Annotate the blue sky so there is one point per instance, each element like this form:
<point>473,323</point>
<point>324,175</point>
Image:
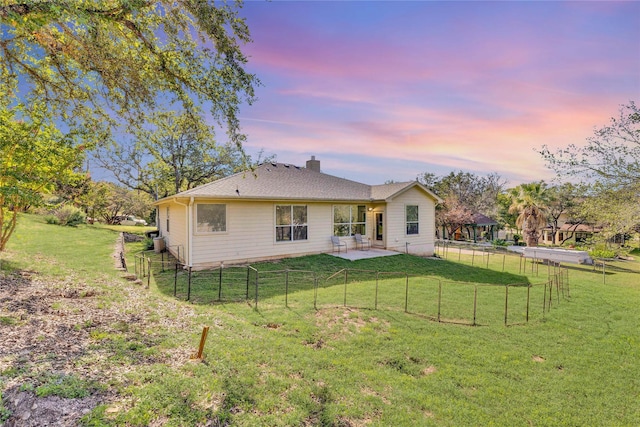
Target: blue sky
<point>389,90</point>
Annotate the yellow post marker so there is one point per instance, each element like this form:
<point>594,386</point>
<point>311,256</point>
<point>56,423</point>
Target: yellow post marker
<point>203,340</point>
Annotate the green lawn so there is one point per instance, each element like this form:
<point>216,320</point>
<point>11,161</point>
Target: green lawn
<point>353,365</point>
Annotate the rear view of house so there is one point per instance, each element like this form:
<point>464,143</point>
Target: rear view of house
<point>281,210</point>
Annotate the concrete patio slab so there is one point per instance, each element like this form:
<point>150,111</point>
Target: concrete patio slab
<point>354,254</point>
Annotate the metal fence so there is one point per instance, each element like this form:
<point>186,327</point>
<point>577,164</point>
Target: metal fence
<point>427,296</point>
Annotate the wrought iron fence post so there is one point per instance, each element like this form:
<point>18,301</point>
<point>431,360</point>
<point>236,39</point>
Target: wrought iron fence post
<point>528,299</point>
<point>376,300</point>
<point>256,307</point>
<point>189,285</point>
<point>475,303</point>
<point>148,272</point>
<point>315,291</point>
<point>473,255</point>
<point>506,303</point>
<point>220,283</point>
<point>346,279</point>
<point>175,280</point>
<point>406,294</point>
<point>248,275</point>
<point>286,288</point>
<point>525,266</point>
<point>439,297</point>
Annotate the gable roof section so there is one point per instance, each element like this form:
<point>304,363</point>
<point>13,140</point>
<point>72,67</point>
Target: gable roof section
<point>279,181</point>
<point>389,191</point>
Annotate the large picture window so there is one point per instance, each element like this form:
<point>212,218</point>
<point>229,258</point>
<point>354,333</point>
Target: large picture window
<point>349,220</point>
<point>211,218</point>
<point>412,219</point>
<point>291,223</point>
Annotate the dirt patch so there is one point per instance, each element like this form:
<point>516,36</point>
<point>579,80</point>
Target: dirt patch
<point>67,328</point>
<point>32,411</point>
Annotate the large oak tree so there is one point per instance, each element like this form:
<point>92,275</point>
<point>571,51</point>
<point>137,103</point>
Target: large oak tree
<point>96,68</point>
<point>99,63</point>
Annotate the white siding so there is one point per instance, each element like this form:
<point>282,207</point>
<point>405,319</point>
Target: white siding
<point>176,238</point>
<point>250,234</point>
<point>396,236</point>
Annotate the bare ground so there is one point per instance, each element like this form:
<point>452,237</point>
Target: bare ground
<point>55,330</point>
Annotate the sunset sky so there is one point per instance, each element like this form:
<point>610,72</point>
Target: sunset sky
<point>388,90</point>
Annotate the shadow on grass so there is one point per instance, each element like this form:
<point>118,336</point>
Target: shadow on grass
<point>9,266</point>
<point>284,278</point>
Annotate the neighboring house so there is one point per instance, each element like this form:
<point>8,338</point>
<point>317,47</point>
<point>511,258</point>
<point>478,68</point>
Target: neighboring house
<point>280,210</point>
<point>568,232</point>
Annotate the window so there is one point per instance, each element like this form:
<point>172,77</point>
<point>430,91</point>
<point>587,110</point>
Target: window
<point>291,223</point>
<point>167,219</point>
<point>349,220</point>
<point>211,218</point>
<point>412,219</point>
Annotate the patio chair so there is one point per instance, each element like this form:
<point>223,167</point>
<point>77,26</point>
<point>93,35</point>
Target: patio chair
<point>335,240</point>
<point>363,244</point>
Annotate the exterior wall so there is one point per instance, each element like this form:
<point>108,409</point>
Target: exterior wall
<point>396,232</point>
<point>250,234</point>
<point>176,238</point>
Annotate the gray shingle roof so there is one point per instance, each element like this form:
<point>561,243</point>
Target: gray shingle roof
<point>279,181</point>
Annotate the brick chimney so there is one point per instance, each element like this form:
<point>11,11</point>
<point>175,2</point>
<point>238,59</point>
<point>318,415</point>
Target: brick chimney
<point>313,164</point>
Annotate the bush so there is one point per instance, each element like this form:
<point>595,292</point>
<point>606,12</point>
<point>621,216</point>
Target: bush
<point>147,243</point>
<point>500,242</point>
<point>52,219</point>
<point>67,215</point>
<point>601,251</point>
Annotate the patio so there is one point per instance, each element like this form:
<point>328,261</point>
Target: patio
<point>354,254</point>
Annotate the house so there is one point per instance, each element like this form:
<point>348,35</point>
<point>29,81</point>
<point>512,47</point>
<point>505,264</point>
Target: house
<point>568,231</point>
<point>280,210</point>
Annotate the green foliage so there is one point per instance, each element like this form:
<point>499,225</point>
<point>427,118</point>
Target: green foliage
<point>33,154</point>
<point>66,386</point>
<point>68,215</point>
<point>530,201</point>
<point>464,195</point>
<point>610,162</point>
<point>101,65</point>
<point>7,321</point>
<point>147,243</point>
<point>174,153</point>
<point>4,411</point>
<point>500,242</point>
<point>51,219</point>
<point>602,253</point>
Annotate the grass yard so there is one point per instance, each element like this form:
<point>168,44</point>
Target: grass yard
<point>335,365</point>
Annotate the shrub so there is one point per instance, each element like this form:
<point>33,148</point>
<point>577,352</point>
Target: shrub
<point>601,251</point>
<point>500,242</point>
<point>52,219</point>
<point>147,243</point>
<point>70,215</point>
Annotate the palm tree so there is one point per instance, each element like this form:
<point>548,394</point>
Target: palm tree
<point>529,201</point>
